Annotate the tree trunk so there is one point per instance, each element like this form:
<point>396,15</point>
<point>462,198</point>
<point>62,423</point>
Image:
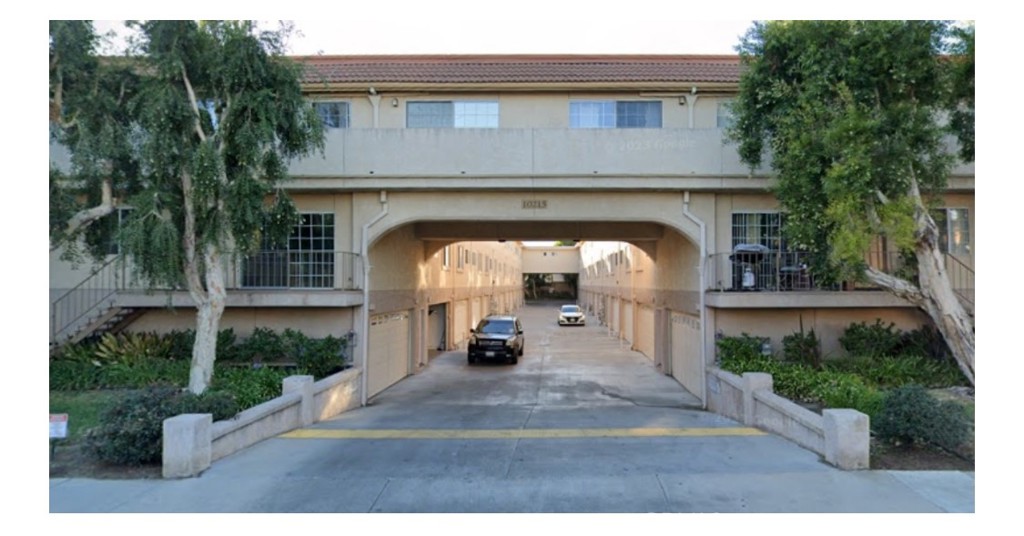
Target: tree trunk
<point>935,294</point>
<point>209,311</point>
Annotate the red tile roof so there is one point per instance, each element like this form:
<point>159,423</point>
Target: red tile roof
<point>521,69</point>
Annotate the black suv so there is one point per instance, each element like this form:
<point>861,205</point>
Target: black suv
<point>497,337</point>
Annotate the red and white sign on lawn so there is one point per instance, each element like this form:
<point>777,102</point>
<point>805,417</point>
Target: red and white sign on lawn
<point>58,425</point>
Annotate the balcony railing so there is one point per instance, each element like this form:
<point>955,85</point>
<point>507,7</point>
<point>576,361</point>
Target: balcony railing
<point>337,270</point>
<point>780,271</point>
<point>284,269</point>
<point>769,270</point>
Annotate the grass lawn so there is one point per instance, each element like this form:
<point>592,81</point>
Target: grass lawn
<point>83,408</point>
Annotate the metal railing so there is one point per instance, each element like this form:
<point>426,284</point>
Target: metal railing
<point>285,269</point>
<point>789,271</point>
<point>961,277</point>
<point>771,271</point>
<point>338,270</point>
<point>85,298</point>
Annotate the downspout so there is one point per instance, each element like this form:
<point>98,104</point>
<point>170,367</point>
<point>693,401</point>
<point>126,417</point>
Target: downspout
<point>703,287</point>
<point>365,251</point>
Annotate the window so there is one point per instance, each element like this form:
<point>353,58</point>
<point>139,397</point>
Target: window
<point>333,114</point>
<point>615,114</point>
<point>110,226</point>
<point>954,230</point>
<point>724,117</point>
<point>447,258</point>
<point>307,261</point>
<point>460,257</point>
<point>451,114</point>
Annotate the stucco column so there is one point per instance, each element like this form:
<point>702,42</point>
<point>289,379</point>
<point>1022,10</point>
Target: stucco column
<point>187,445</point>
<point>304,386</point>
<point>753,382</point>
<point>847,438</point>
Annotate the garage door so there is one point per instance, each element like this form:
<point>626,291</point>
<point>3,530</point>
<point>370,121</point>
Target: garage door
<point>476,311</point>
<point>627,320</point>
<point>686,365</point>
<point>645,332</point>
<point>388,352</point>
<point>460,325</point>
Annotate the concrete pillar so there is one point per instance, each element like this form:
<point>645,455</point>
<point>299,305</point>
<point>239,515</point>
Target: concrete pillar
<point>847,438</point>
<point>753,382</point>
<point>304,386</point>
<point>187,445</point>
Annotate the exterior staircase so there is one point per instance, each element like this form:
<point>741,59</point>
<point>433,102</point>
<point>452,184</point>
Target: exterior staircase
<point>90,308</point>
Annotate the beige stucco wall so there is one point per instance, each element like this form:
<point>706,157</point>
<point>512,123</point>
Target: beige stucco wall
<point>828,324</point>
<point>312,321</point>
<point>551,260</point>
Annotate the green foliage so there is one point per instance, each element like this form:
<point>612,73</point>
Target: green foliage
<point>250,386</point>
<point>861,339</point>
<point>322,357</point>
<point>895,371</point>
<point>130,348</point>
<point>744,347</point>
<point>844,390</point>
<point>263,345</point>
<point>131,431</point>
<point>802,347</point>
<point>851,113</point>
<point>192,130</point>
<point>911,415</point>
<point>181,343</point>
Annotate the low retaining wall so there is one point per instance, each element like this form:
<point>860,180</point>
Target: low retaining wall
<point>192,442</point>
<point>841,436</point>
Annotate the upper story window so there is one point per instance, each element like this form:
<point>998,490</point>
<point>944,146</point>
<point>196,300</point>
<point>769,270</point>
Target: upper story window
<point>334,114</point>
<point>615,114</point>
<point>954,230</point>
<point>451,114</point>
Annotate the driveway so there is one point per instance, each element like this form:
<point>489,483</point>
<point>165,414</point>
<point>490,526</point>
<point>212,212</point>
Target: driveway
<point>581,424</point>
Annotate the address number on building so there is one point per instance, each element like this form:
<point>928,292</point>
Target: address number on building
<point>535,203</point>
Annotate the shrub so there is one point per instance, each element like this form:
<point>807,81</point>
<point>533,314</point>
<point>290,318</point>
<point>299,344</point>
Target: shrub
<point>181,343</point>
<point>802,347</point>
<point>249,386</point>
<point>322,357</point>
<point>925,341</point>
<point>131,348</point>
<point>910,415</point>
<point>263,345</point>
<point>75,375</point>
<point>860,339</point>
<point>131,431</point>
<point>744,347</point>
<point>844,390</point>
<point>896,371</point>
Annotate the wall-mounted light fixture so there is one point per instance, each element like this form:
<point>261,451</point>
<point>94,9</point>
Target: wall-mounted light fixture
<point>394,102</point>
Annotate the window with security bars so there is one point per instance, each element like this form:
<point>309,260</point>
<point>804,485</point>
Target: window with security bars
<point>306,261</point>
<point>615,114</point>
<point>451,114</point>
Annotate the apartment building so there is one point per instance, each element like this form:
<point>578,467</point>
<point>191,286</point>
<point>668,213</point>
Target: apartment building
<point>437,167</point>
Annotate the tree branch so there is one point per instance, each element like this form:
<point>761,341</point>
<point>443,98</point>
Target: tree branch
<point>195,105</point>
<point>85,217</point>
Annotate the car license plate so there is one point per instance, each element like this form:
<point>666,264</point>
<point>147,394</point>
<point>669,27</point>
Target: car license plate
<point>489,354</point>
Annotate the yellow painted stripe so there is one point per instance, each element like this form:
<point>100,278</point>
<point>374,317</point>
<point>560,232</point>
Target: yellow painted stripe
<point>532,433</point>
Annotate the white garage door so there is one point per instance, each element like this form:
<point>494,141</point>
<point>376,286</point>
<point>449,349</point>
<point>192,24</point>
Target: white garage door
<point>686,365</point>
<point>388,352</point>
<point>645,331</point>
<point>460,328</point>
<point>627,320</point>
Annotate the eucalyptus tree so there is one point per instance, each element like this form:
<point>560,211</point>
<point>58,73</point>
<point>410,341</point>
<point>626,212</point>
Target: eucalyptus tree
<point>194,137</point>
<point>856,117</point>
